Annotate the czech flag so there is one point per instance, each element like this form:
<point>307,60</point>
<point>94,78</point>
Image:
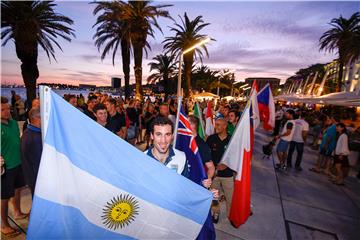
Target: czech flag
<point>266,107</point>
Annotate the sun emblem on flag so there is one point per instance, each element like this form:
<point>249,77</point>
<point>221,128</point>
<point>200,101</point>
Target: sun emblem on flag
<point>120,211</point>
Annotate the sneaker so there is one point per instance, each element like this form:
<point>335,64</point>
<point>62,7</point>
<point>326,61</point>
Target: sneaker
<point>215,218</point>
<point>298,168</point>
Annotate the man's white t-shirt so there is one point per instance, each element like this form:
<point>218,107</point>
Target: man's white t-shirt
<point>177,162</point>
<point>300,125</point>
<point>288,138</point>
<point>342,145</point>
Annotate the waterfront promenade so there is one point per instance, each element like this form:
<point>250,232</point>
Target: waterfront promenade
<point>286,205</point>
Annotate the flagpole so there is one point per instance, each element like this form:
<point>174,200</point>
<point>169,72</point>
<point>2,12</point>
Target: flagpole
<point>200,117</point>
<point>177,120</point>
<point>45,106</point>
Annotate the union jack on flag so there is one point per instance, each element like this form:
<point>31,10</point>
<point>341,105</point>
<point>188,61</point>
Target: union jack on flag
<point>185,142</point>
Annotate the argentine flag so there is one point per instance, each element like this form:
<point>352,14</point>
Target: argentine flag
<point>93,185</point>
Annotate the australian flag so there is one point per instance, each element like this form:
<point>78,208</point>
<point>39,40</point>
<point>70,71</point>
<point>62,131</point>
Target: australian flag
<point>186,143</point>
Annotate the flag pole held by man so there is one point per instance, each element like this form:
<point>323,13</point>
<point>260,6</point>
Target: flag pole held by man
<point>93,184</point>
<point>238,158</point>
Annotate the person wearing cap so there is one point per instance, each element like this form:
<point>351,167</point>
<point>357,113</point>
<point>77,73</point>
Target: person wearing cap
<point>224,177</point>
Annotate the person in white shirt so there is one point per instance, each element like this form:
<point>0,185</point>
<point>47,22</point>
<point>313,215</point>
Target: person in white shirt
<point>285,138</point>
<point>301,129</point>
<point>341,154</point>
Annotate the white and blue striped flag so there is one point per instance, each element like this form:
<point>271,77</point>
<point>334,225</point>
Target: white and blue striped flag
<point>93,185</point>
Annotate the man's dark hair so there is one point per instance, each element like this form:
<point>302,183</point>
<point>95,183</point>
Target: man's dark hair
<point>161,121</point>
<point>194,120</point>
<point>227,106</point>
<point>235,112</point>
<point>99,106</point>
<point>342,125</point>
<point>111,101</point>
<point>92,97</point>
<point>291,112</point>
<point>336,118</point>
<point>4,100</point>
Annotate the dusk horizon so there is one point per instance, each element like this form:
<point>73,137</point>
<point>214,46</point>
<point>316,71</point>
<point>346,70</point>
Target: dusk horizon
<point>254,39</point>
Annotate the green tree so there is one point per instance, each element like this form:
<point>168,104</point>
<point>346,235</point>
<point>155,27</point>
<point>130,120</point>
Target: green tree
<point>111,32</point>
<point>164,67</point>
<point>341,37</point>
<point>142,19</point>
<point>186,35</point>
<point>30,24</point>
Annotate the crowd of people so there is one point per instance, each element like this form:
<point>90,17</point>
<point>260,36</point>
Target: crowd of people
<point>330,135</point>
<point>149,125</point>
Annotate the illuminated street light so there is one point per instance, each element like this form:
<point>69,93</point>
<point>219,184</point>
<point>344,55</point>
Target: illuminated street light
<point>202,42</point>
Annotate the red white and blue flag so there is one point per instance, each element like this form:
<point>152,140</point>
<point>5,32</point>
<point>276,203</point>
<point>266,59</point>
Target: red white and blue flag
<point>266,107</point>
<point>185,142</point>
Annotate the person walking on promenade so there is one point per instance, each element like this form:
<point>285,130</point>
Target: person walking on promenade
<point>31,148</point>
<point>327,146</point>
<point>204,150</point>
<point>285,138</point>
<point>12,180</point>
<point>224,178</point>
<point>162,130</point>
<point>233,120</point>
<point>92,101</point>
<point>341,154</point>
<point>301,129</point>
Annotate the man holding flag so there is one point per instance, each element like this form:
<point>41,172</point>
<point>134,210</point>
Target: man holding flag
<point>224,177</point>
<point>238,158</point>
<point>186,142</point>
<point>92,184</point>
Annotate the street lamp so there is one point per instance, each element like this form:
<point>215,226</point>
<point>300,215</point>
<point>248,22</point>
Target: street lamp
<point>202,42</point>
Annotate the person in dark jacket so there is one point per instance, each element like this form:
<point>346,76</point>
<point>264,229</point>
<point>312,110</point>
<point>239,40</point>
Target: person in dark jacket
<point>31,148</point>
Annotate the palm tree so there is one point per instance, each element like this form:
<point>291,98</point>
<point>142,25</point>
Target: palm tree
<point>186,35</point>
<point>342,37</point>
<point>165,68</point>
<point>112,31</point>
<point>30,24</point>
<point>142,18</point>
<point>204,78</point>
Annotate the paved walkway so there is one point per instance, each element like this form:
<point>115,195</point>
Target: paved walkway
<point>286,205</point>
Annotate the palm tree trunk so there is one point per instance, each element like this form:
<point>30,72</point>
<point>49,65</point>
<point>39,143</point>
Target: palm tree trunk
<point>30,73</point>
<point>125,52</point>
<point>138,53</point>
<point>341,70</point>
<point>188,61</point>
<point>166,86</point>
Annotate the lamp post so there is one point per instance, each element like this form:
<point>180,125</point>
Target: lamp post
<point>202,42</point>
<point>179,95</point>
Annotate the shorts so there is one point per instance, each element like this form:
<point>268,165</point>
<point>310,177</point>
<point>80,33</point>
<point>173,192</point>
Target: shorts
<point>282,146</point>
<point>12,179</point>
<point>325,152</point>
<point>344,161</point>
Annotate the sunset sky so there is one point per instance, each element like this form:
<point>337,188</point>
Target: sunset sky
<point>255,39</point>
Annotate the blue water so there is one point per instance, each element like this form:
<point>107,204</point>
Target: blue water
<point>21,91</point>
